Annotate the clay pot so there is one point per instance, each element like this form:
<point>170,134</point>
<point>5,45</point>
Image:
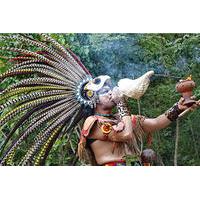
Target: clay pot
<point>148,156</point>
<point>185,87</point>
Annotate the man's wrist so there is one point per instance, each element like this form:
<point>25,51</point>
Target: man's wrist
<point>173,113</point>
<point>123,108</point>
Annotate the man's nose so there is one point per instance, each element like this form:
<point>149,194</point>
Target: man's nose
<point>110,92</point>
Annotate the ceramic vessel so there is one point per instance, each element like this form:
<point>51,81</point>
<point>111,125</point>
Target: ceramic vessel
<point>185,87</point>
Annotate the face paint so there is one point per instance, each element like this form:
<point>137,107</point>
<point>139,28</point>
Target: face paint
<point>99,86</point>
<point>107,87</point>
<point>97,83</point>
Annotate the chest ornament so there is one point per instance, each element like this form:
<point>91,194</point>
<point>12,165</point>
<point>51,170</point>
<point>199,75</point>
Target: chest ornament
<point>106,128</point>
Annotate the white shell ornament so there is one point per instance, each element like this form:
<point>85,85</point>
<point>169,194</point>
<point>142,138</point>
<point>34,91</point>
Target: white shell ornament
<point>135,88</point>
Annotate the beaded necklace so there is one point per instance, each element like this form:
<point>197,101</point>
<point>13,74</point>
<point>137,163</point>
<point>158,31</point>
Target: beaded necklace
<point>104,115</point>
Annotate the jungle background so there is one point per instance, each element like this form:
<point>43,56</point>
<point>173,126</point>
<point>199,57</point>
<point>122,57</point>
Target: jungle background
<point>171,56</point>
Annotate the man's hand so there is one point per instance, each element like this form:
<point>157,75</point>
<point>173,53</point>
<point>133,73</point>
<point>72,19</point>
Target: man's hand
<point>183,107</point>
<point>186,109</point>
<point>119,127</point>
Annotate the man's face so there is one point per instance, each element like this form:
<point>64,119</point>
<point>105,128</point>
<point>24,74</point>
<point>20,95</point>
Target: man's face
<point>102,86</point>
<point>105,96</point>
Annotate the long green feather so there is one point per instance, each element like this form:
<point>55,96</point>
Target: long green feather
<point>23,120</point>
<point>40,141</point>
<point>37,81</point>
<point>31,96</point>
<point>21,90</point>
<point>40,158</point>
<point>34,127</point>
<point>32,70</point>
<point>28,105</point>
<point>41,66</point>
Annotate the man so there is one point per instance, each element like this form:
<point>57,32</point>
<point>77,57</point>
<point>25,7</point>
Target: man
<point>109,138</point>
<point>59,93</point>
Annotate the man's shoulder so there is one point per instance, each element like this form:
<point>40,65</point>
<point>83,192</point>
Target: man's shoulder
<point>90,119</point>
<point>137,119</point>
<point>88,124</point>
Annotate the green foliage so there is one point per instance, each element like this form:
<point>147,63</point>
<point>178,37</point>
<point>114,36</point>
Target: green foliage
<point>168,50</point>
<point>172,56</point>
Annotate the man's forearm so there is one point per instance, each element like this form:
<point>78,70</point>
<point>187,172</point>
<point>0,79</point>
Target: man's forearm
<point>125,117</point>
<point>162,121</point>
<point>151,125</point>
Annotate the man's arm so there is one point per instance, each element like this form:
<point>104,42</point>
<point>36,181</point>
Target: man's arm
<point>124,135</point>
<point>115,136</point>
<point>151,125</point>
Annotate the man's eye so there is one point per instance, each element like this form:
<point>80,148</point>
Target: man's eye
<point>104,91</point>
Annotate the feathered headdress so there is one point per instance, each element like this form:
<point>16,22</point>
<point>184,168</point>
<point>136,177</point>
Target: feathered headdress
<point>48,104</point>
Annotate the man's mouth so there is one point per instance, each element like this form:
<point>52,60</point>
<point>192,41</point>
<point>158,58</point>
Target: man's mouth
<point>111,99</point>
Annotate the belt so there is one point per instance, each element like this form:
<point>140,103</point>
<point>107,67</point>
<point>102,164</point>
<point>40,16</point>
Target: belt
<point>116,163</point>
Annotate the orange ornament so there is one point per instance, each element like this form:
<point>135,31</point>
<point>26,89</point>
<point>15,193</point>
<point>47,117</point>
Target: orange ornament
<point>106,128</point>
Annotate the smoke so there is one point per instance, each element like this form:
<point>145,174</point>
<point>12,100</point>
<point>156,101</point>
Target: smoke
<point>121,56</point>
<point>117,55</point>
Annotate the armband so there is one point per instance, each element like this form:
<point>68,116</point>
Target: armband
<point>173,113</point>
<point>123,109</point>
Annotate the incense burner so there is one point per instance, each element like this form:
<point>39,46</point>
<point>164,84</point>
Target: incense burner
<point>185,87</point>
